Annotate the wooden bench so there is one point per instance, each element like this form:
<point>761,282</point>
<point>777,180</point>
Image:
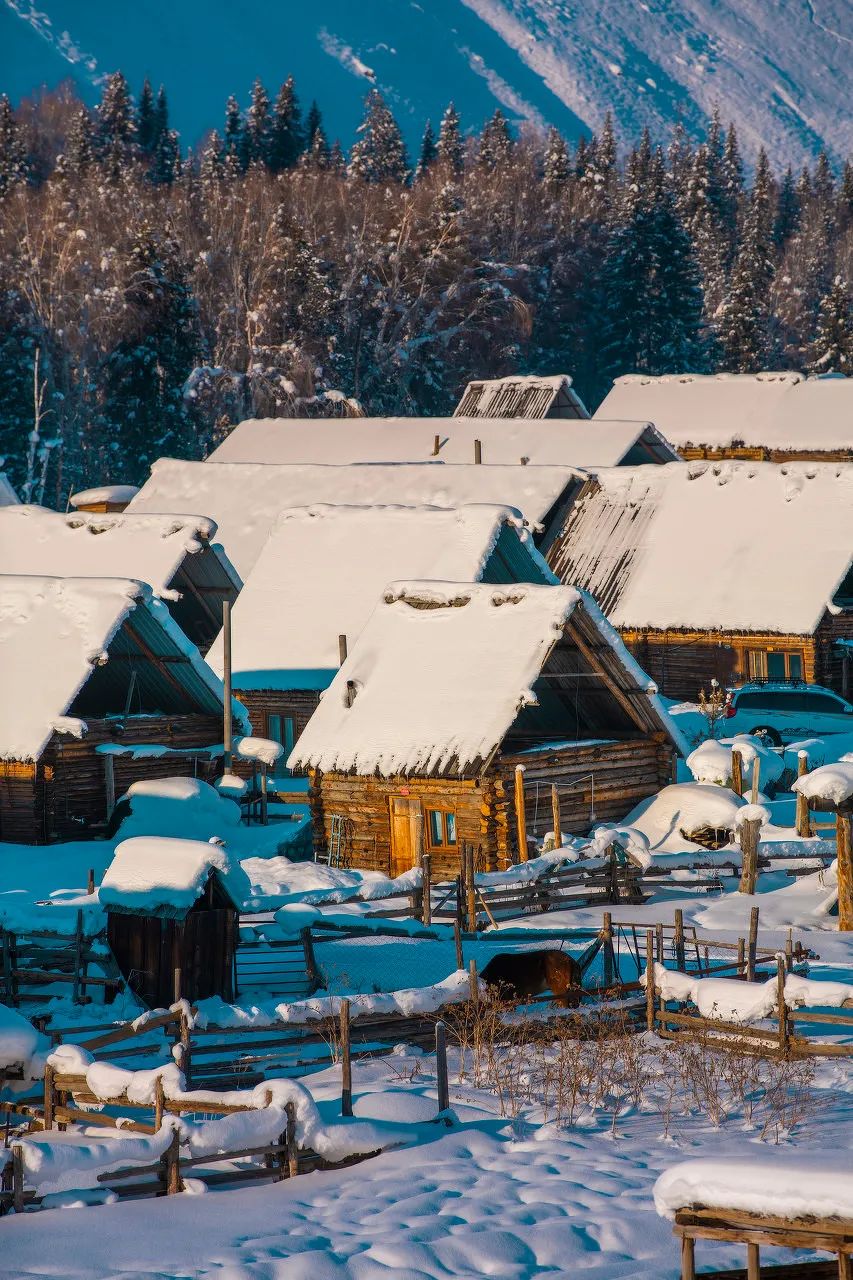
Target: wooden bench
<point>830,1235</point>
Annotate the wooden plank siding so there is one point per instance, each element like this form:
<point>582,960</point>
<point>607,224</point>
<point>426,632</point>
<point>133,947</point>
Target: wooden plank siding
<point>299,704</point>
<point>682,662</point>
<point>758,453</point>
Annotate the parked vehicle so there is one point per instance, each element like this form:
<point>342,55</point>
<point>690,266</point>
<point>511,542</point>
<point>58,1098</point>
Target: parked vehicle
<point>786,712</point>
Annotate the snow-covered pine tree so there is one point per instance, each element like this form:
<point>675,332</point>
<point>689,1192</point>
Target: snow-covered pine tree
<point>235,145</point>
<point>379,155</point>
<point>258,126</point>
<point>287,136</point>
<point>146,127</point>
<point>166,159</point>
<point>116,131</point>
<point>845,196</point>
<point>450,148</point>
<point>211,164</point>
<point>787,217</point>
<point>429,151</point>
<point>731,177</point>
<point>556,169</point>
<point>495,142</point>
<point>832,349</point>
<point>13,162</point>
<point>745,316</point>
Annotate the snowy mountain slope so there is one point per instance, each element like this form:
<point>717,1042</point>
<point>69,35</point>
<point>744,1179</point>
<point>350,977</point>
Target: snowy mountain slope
<point>779,68</point>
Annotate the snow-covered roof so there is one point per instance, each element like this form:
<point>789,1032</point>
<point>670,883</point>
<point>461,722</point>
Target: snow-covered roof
<point>507,441</point>
<point>323,568</point>
<point>439,675</point>
<point>105,493</point>
<point>53,632</point>
<point>160,875</point>
<point>521,396</point>
<point>245,499</point>
<point>8,497</point>
<point>151,548</point>
<point>783,411</point>
<point>749,546</point>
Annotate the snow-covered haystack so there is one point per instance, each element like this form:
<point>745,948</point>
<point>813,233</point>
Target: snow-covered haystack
<point>712,761</point>
<point>831,784</point>
<point>682,815</point>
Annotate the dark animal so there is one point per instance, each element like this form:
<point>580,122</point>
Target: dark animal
<point>519,974</point>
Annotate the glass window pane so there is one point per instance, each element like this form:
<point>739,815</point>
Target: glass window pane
<point>775,666</point>
<point>450,819</point>
<point>274,728</point>
<point>795,666</point>
<point>436,830</point>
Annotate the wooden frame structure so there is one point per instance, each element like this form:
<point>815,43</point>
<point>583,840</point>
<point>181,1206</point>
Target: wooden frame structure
<point>702,1222</point>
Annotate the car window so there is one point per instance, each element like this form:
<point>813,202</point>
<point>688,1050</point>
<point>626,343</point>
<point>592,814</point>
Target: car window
<point>796,702</point>
<point>746,700</point>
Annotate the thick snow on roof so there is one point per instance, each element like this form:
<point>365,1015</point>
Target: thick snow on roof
<point>52,632</point>
<point>8,497</point>
<point>780,1184</point>
<point>322,570</point>
<point>774,410</point>
<point>245,499</point>
<point>440,672</point>
<point>151,873</point>
<point>571,442</point>
<point>529,395</point>
<point>35,540</point>
<point>115,493</point>
<point>727,545</point>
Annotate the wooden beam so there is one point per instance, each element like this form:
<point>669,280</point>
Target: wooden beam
<point>619,694</point>
<point>156,661</point>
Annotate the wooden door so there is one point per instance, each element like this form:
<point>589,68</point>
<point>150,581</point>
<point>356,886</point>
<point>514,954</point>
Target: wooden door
<point>405,812</point>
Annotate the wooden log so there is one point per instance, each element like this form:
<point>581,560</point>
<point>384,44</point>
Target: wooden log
<point>781,1007</point>
<point>346,1060</point>
<point>650,981</point>
<point>753,1262</point>
<point>90,881</point>
<point>426,902</point>
<point>79,989</point>
<point>159,1102</point>
<point>555,816</point>
<point>457,938</point>
<point>752,945</point>
<point>844,853</point>
<point>172,1165</point>
<point>659,942</point>
<point>756,777</point>
<point>680,955</point>
<point>520,816</point>
<point>49,1096</point>
<point>471,890</point>
<point>749,833</point>
<point>737,771</point>
<point>18,1178</point>
<point>290,1140</point>
<point>802,801</point>
<point>789,952</point>
<point>473,982</point>
<point>607,940</point>
<point>688,1258</point>
<point>441,1066</point>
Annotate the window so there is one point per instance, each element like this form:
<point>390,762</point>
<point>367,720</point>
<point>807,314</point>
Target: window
<point>440,829</point>
<point>282,729</point>
<point>774,664</point>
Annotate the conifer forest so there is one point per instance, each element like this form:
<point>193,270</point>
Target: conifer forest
<point>151,297</point>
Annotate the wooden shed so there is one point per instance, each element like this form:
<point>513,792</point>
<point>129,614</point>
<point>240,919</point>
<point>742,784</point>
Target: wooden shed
<point>172,918</point>
<point>449,687</point>
<point>88,662</point>
<point>106,498</point>
<point>733,570</point>
<point>521,396</point>
<point>177,556</point>
<point>318,579</point>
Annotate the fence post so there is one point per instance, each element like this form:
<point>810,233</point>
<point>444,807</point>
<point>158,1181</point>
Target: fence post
<point>741,956</point>
<point>457,938</point>
<point>426,890</point>
<point>680,956</point>
<point>310,959</point>
<point>473,981</point>
<point>803,822</point>
<point>789,952</point>
<point>752,945</point>
<point>471,891</point>
<point>171,1158</point>
<point>756,778</point>
<point>186,1047</point>
<point>781,1007</point>
<point>555,816</point>
<point>749,833</point>
<point>650,980</point>
<point>441,1066</point>
<point>607,940</point>
<point>659,942</point>
<point>49,1096</point>
<point>290,1140</point>
<point>346,1061</point>
<point>18,1178</point>
<point>844,853</point>
<point>90,882</point>
<point>77,989</point>
<point>520,815</point>
<point>159,1102</point>
<point>737,771</point>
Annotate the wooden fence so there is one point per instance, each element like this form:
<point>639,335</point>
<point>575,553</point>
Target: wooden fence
<point>36,958</point>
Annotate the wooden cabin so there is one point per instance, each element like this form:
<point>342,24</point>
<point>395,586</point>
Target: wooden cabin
<point>318,579</point>
<point>106,498</point>
<point>759,417</point>
<point>175,555</point>
<point>172,919</point>
<point>579,442</point>
<point>737,571</point>
<point>246,499</point>
<point>521,396</point>
<point>448,688</point>
<point>87,663</point>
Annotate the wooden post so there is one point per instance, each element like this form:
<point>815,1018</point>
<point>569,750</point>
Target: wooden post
<point>688,1258</point>
<point>737,771</point>
<point>741,956</point>
<point>457,938</point>
<point>607,939</point>
<point>18,1178</point>
<point>159,1102</point>
<point>426,903</point>
<point>781,1007</point>
<point>650,980</point>
<point>227,725</point>
<point>436,445</point>
<point>844,853</point>
<point>753,1260</point>
<point>749,833</point>
<point>659,942</point>
<point>78,989</point>
<point>174,1183</point>
<point>555,816</point>
<point>186,1046</point>
<point>789,952</point>
<point>680,956</point>
<point>264,799</point>
<point>473,982</point>
<point>756,778</point>
<point>346,1061</point>
<point>845,1262</point>
<point>752,945</point>
<point>471,891</point>
<point>441,1066</point>
<point>49,1096</point>
<point>109,785</point>
<point>802,801</point>
<point>520,815</point>
<point>311,967</point>
<point>290,1140</point>
<point>478,451</point>
<point>177,984</point>
<point>342,649</point>
<point>90,881</point>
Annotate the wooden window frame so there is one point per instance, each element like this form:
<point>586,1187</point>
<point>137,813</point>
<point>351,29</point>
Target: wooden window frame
<point>445,814</point>
<point>787,654</point>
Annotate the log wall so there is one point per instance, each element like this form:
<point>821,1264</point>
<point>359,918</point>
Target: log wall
<point>683,662</point>
<point>758,454</point>
<point>830,658</point>
<point>300,704</point>
<point>63,796</point>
